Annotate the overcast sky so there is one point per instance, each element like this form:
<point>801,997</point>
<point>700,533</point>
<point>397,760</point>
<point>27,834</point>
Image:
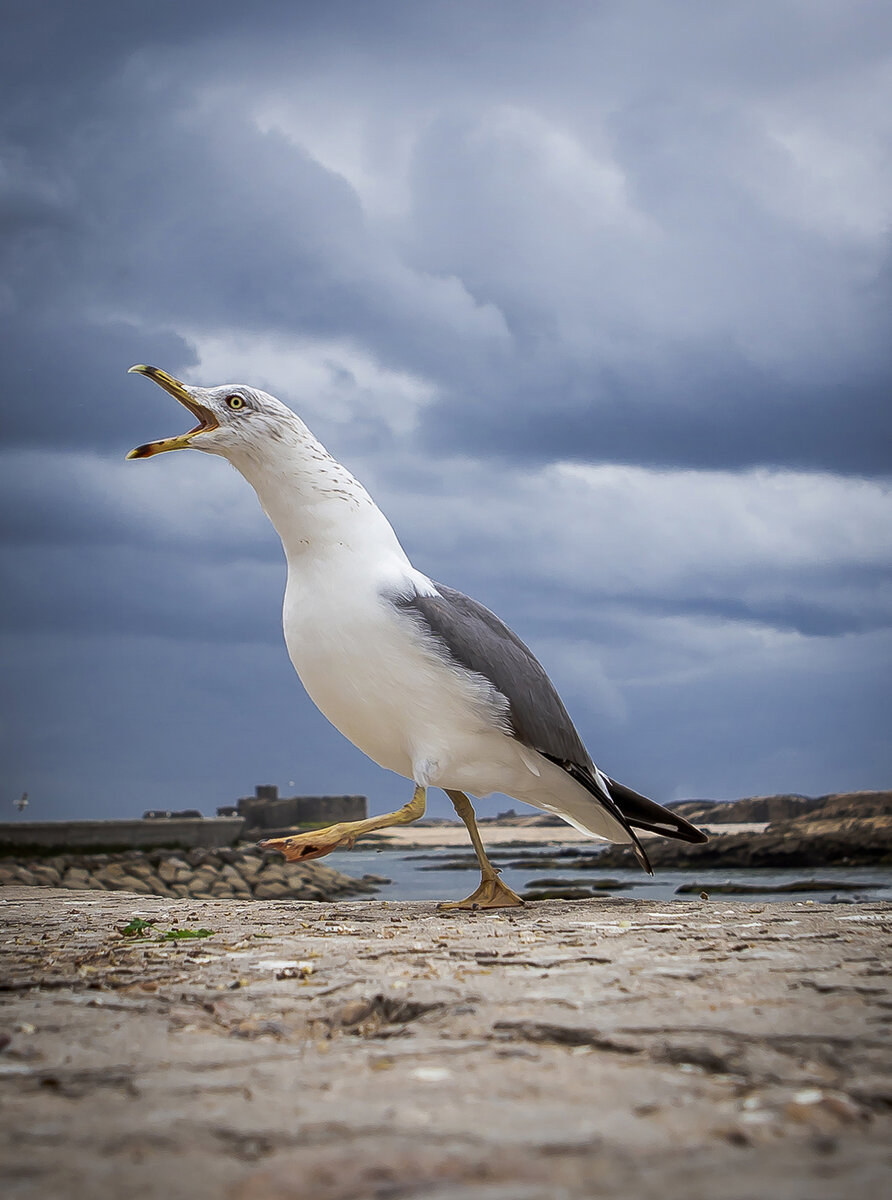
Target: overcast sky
<point>594,298</point>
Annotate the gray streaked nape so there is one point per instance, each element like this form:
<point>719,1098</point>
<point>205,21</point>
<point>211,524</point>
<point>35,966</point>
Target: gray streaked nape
<point>475,638</point>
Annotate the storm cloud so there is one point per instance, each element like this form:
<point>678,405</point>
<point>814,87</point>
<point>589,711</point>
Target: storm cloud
<point>593,297</point>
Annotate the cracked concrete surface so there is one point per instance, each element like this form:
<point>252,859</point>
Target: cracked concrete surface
<point>353,1050</point>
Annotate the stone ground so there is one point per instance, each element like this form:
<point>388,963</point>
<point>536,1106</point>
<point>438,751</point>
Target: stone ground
<point>365,1049</point>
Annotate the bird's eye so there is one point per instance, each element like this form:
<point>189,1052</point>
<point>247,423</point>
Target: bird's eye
<point>235,402</point>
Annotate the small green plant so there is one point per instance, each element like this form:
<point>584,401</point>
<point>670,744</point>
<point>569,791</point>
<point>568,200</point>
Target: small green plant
<point>174,935</point>
<point>138,928</point>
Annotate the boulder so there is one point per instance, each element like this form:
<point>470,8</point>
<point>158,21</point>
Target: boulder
<point>45,876</point>
<point>75,877</point>
<point>141,868</point>
<point>249,867</point>
<point>230,878</point>
<point>112,874</point>
<point>132,883</point>
<point>309,892</point>
<point>158,886</point>
<point>174,870</point>
<point>273,870</point>
<point>199,887</point>
<point>272,889</point>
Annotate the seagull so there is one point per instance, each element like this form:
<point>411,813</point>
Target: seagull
<point>423,679</point>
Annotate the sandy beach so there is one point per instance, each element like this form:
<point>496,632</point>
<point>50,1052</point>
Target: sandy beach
<point>497,834</point>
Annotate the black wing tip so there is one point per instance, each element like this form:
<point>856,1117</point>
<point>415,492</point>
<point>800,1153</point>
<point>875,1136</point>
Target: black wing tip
<point>677,833</point>
<point>644,813</point>
<point>684,831</point>
<point>641,855</point>
<point>591,782</point>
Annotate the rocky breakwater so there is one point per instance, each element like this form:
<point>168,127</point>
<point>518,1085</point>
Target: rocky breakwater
<point>847,829</point>
<point>246,873</point>
<point>753,810</point>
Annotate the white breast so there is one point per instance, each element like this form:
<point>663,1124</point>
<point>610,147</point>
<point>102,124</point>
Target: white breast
<point>380,681</point>
<point>369,670</point>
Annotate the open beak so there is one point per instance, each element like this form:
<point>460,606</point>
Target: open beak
<point>206,419</point>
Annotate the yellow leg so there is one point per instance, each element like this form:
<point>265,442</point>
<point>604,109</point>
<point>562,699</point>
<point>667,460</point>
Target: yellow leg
<point>304,846</point>
<point>491,893</point>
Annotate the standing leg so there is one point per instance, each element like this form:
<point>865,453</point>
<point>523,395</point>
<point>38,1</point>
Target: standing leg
<point>304,846</point>
<point>491,893</point>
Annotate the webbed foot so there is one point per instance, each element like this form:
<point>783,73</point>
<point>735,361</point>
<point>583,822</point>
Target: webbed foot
<point>491,893</point>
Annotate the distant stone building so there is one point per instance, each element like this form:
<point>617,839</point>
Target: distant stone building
<point>266,810</point>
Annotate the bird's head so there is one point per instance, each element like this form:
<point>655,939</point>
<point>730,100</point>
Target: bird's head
<point>302,489</point>
<point>233,420</point>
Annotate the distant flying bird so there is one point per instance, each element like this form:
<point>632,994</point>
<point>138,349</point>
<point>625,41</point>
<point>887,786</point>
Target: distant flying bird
<point>424,680</point>
<point>22,802</point>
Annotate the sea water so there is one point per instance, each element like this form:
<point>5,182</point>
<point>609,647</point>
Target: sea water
<point>416,875</point>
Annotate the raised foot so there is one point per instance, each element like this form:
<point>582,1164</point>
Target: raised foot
<point>301,847</point>
<point>492,893</point>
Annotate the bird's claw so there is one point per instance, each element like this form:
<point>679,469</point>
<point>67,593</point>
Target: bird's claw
<point>301,847</point>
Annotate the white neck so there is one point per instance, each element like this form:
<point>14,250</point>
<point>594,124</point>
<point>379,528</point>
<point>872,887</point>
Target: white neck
<point>312,500</point>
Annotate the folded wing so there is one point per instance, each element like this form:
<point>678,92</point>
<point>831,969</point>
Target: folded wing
<point>474,638</point>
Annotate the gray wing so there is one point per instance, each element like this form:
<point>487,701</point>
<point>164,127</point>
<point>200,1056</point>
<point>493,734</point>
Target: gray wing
<point>476,639</point>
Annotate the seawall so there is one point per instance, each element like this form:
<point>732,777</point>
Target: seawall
<point>182,833</point>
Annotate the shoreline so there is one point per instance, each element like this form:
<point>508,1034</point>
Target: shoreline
<point>499,834</point>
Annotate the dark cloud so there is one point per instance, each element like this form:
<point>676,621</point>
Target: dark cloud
<point>665,315</point>
<point>633,296</point>
<point>703,406</point>
<point>66,380</point>
<point>122,591</point>
<point>468,242</point>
